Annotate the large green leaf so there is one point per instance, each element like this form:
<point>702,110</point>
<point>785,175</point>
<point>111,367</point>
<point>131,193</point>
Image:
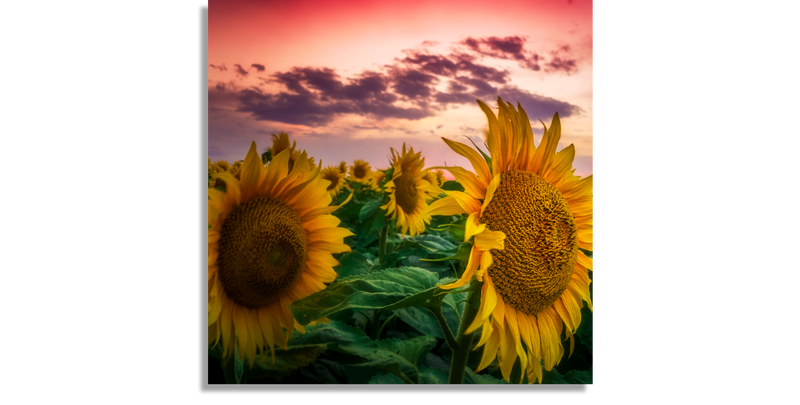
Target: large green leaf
<point>400,357</point>
<point>372,217</point>
<point>387,289</point>
<point>285,362</point>
<point>352,263</point>
<point>431,243</point>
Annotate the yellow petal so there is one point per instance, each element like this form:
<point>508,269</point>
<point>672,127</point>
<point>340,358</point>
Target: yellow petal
<point>478,163</point>
<point>472,266</point>
<point>489,239</point>
<point>252,173</point>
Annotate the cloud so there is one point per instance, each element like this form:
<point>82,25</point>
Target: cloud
<point>439,126</point>
<point>258,67</point>
<point>538,107</point>
<point>513,48</point>
<point>221,67</point>
<point>562,60</point>
<point>240,71</point>
<point>452,65</point>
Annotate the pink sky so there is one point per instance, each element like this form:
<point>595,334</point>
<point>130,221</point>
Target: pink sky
<point>348,80</point>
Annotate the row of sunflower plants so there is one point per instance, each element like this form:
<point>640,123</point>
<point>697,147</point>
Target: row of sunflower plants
<point>349,275</point>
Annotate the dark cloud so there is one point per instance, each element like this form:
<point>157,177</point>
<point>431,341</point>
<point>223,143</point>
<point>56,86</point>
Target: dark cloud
<point>454,64</point>
<point>221,67</point>
<point>258,67</point>
<point>413,84</point>
<point>562,60</point>
<point>513,48</point>
<point>240,71</point>
<point>439,126</point>
<point>220,86</point>
<point>538,107</point>
<point>503,48</point>
<point>317,96</point>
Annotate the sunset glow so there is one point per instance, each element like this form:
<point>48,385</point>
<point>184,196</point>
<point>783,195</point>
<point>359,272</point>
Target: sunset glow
<point>349,80</point>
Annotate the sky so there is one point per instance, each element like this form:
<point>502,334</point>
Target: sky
<point>350,80</point>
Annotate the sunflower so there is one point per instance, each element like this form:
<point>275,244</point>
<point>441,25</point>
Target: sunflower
<point>332,174</point>
<point>376,178</point>
<point>279,143</point>
<point>223,164</point>
<point>530,216</point>
<point>343,167</point>
<point>270,242</point>
<point>360,172</point>
<point>236,169</point>
<point>409,192</point>
<point>435,177</point>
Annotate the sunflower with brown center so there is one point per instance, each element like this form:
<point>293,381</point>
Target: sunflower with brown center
<point>360,172</point>
<point>376,178</point>
<point>271,241</point>
<point>332,174</point>
<point>530,217</point>
<point>409,192</point>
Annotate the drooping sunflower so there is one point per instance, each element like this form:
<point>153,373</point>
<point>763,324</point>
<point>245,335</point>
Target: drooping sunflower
<point>530,216</point>
<point>409,192</point>
<point>270,242</point>
<point>332,174</point>
<point>360,172</point>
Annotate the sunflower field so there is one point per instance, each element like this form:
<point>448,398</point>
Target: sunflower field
<point>350,274</point>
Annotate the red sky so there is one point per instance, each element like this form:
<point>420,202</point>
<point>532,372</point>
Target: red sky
<point>348,80</point>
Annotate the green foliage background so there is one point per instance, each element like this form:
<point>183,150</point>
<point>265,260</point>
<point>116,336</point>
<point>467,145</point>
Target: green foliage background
<point>383,328</point>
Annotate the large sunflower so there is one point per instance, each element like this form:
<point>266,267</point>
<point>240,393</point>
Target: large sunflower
<point>530,216</point>
<point>409,192</point>
<point>270,242</point>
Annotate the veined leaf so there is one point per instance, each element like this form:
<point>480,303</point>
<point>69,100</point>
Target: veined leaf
<point>387,289</point>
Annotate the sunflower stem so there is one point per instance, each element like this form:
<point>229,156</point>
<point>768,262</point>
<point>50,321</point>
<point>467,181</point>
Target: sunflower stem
<point>448,334</point>
<point>376,320</point>
<point>382,244</point>
<point>458,364</point>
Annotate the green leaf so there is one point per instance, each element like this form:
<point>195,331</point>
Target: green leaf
<point>420,319</point>
<point>352,263</point>
<point>462,254</point>
<point>285,362</point>
<point>386,378</point>
<point>471,378</point>
<point>387,289</point>
<point>432,376</point>
<point>431,243</point>
<point>578,377</point>
<point>452,185</point>
<point>339,336</point>
<point>372,217</point>
<point>400,357</point>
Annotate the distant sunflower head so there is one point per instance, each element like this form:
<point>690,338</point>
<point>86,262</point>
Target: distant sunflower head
<point>435,177</point>
<point>236,169</point>
<point>332,174</point>
<point>223,164</point>
<point>376,179</point>
<point>408,192</point>
<point>343,167</point>
<point>271,241</point>
<point>360,172</point>
<point>280,142</point>
<point>531,219</point>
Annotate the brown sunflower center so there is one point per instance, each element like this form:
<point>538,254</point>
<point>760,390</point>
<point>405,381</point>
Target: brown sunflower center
<point>541,245</point>
<point>262,251</point>
<point>406,191</point>
<point>359,172</point>
<point>334,179</point>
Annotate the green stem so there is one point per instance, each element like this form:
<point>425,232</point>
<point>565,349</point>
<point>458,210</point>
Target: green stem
<point>458,364</point>
<point>382,244</point>
<point>385,323</point>
<point>448,335</point>
<point>376,318</point>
